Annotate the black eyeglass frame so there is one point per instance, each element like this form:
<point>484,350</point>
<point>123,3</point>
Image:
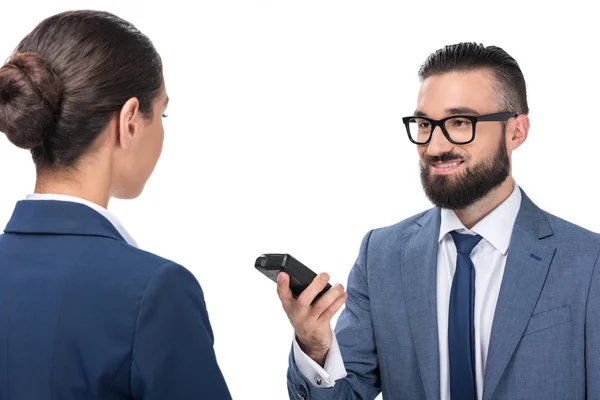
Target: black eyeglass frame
<point>500,116</point>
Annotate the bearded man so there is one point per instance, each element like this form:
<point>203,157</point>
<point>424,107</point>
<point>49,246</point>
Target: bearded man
<point>484,296</point>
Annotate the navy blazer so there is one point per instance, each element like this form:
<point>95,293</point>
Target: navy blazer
<point>84,315</point>
<point>545,340</point>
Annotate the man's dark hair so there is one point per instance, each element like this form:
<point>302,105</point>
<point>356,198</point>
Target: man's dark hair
<point>465,57</point>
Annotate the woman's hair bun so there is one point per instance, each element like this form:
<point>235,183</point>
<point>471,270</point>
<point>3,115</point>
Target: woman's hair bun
<point>29,99</point>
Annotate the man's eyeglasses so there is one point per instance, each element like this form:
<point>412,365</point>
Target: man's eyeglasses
<point>458,129</point>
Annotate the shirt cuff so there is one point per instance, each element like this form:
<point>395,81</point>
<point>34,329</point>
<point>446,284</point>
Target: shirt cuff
<point>318,376</point>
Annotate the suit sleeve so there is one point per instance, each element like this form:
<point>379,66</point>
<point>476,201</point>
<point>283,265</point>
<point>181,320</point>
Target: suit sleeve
<point>354,333</point>
<point>173,356</point>
<point>592,336</point>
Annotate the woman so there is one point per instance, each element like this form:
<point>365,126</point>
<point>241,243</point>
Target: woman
<point>84,314</point>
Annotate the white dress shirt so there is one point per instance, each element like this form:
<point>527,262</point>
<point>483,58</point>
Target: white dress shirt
<point>489,259</point>
<point>101,210</point>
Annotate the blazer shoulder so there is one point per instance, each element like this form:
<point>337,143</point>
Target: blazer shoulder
<point>134,262</point>
<point>568,231</point>
<point>398,229</point>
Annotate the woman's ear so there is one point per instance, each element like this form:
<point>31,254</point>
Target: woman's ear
<point>128,122</point>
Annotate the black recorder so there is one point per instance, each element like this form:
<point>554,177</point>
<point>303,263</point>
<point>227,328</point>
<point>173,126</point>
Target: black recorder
<point>300,275</point>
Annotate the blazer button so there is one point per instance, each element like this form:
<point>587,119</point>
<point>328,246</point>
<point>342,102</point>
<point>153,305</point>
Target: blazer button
<point>302,392</point>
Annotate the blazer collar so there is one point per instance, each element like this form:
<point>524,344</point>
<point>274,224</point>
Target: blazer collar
<point>59,218</point>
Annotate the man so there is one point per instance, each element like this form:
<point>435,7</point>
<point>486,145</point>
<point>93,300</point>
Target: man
<point>485,296</point>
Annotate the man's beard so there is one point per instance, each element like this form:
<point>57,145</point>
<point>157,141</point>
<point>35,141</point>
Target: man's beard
<point>473,184</point>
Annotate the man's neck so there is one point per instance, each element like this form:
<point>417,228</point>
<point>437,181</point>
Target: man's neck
<point>471,215</point>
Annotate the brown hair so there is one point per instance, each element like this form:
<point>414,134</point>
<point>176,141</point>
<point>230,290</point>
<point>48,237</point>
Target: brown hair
<point>67,78</point>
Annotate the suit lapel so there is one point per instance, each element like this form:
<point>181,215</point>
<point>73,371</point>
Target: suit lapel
<point>526,268</point>
<point>419,277</point>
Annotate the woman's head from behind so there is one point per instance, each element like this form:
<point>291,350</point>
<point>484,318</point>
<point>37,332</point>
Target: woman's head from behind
<point>84,91</point>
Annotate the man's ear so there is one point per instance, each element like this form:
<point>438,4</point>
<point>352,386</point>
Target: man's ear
<point>128,122</point>
<point>517,131</point>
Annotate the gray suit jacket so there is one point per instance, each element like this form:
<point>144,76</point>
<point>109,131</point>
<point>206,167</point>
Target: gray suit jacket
<point>545,341</point>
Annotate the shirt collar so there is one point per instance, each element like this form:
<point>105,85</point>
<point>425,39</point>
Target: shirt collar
<point>101,210</point>
<point>496,227</point>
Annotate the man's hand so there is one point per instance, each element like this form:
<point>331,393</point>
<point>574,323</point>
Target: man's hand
<point>312,323</point>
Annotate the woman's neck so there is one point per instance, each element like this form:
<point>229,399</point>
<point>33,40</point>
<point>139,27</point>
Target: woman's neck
<point>86,184</point>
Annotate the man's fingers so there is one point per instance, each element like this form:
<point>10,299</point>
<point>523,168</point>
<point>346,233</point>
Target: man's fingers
<point>327,299</point>
<point>334,308</point>
<point>284,292</point>
<point>308,295</point>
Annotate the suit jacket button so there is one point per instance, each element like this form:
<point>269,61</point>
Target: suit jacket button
<point>302,392</point>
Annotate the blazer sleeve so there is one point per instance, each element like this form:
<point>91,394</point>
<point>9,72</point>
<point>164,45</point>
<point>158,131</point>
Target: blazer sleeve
<point>355,336</point>
<point>173,356</point>
<point>592,336</point>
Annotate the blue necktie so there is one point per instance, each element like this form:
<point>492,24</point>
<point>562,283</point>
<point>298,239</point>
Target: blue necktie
<point>461,337</point>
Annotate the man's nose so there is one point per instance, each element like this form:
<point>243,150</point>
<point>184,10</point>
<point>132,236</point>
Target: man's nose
<point>439,144</point>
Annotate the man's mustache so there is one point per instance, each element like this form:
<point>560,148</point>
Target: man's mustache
<point>442,158</point>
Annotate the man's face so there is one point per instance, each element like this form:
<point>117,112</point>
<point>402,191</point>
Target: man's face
<point>456,176</point>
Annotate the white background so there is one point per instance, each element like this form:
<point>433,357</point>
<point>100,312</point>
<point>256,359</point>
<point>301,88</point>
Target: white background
<point>284,135</point>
